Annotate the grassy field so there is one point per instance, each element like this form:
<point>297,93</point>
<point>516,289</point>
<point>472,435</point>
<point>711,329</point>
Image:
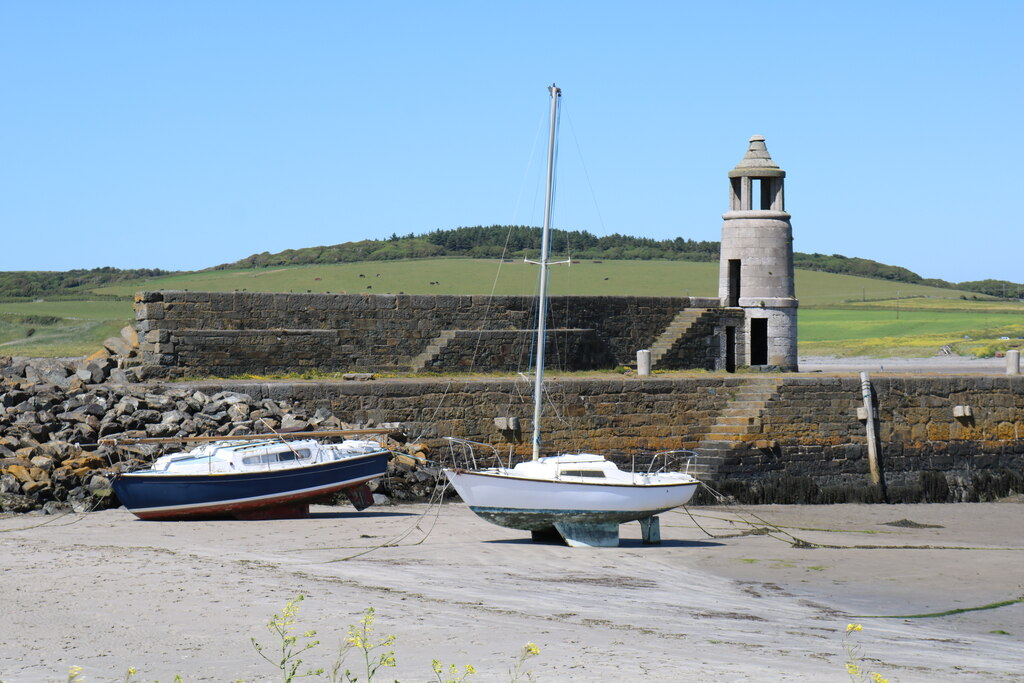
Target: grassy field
<point>881,331</point>
<point>473,276</point>
<point>43,336</point>
<point>840,314</point>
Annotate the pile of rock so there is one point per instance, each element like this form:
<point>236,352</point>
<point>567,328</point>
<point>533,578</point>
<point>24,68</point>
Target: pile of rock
<point>412,477</point>
<point>51,460</point>
<point>118,361</point>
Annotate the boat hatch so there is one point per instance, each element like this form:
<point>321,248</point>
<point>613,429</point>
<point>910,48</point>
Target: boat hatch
<point>281,456</point>
<point>583,473</point>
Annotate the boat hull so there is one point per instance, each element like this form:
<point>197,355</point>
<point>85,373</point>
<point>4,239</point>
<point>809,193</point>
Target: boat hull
<point>535,505</point>
<point>245,495</point>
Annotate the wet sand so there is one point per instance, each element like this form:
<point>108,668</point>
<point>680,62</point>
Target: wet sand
<point>105,591</point>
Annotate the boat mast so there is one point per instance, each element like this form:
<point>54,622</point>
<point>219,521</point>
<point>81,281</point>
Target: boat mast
<point>542,303</point>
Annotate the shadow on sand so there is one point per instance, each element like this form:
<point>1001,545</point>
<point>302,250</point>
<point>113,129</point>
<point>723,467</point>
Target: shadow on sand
<point>623,543</point>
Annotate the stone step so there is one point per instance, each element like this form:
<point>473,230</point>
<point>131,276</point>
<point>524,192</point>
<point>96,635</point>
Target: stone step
<point>434,347</point>
<point>731,429</point>
<point>744,404</point>
<point>672,333</point>
<point>744,419</point>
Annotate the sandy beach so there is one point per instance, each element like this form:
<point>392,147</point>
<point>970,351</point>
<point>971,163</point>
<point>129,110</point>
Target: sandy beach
<point>106,592</point>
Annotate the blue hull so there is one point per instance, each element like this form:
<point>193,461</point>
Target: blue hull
<point>245,494</point>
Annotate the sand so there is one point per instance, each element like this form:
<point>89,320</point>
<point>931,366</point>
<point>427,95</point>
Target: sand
<point>105,591</point>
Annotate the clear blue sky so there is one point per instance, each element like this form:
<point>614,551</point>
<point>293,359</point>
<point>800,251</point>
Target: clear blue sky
<point>181,135</point>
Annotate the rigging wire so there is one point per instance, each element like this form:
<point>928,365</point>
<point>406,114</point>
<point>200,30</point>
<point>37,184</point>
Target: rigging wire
<point>586,174</point>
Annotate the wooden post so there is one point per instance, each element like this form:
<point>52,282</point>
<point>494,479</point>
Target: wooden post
<point>865,388</point>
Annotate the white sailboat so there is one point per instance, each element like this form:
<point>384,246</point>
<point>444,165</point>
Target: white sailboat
<point>583,497</point>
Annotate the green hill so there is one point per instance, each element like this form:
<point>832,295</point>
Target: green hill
<point>496,241</point>
<point>896,311</point>
<point>483,276</point>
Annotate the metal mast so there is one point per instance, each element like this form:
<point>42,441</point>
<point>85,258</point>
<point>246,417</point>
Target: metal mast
<point>542,303</point>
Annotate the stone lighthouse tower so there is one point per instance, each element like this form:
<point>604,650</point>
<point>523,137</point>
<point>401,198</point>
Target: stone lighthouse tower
<point>757,265</point>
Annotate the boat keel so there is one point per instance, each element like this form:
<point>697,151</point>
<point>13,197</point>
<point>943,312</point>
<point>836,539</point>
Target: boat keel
<point>360,496</point>
<point>589,534</point>
<point>282,511</point>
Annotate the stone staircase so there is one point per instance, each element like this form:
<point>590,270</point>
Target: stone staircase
<point>738,424</point>
<point>419,363</point>
<point>674,333</point>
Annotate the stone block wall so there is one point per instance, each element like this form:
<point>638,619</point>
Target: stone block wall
<point>234,333</point>
<point>810,448</point>
<point>513,351</point>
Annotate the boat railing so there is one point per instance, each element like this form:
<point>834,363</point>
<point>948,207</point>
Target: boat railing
<point>463,454</point>
<point>678,460</point>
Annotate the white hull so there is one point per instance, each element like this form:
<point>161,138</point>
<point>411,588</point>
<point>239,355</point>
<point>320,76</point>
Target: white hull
<point>491,490</point>
<point>539,496</point>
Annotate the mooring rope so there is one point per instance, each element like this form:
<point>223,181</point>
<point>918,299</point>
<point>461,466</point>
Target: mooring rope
<point>396,540</point>
<point>764,528</point>
<point>54,518</point>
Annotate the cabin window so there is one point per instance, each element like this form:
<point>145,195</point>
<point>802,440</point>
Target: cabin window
<point>597,474</point>
<point>281,456</point>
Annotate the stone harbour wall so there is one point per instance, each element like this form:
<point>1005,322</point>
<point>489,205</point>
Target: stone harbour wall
<point>807,445</point>
<point>230,334</point>
<point>942,438</point>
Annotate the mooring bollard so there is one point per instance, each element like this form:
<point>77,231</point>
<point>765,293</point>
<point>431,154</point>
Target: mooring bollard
<point>1013,362</point>
<point>643,362</point>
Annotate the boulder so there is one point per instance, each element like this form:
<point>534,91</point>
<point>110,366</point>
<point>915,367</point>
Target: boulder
<point>98,484</point>
<point>43,462</point>
<point>9,484</point>
<point>238,412</point>
<point>102,354</point>
<point>14,502</point>
<point>21,473</point>
<point>291,423</point>
<point>56,507</point>
<point>36,488</point>
<point>95,372</point>
<point>118,346</point>
<point>119,376</point>
<point>129,334</point>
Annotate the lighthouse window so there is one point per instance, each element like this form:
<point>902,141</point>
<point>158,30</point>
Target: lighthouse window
<point>761,193</point>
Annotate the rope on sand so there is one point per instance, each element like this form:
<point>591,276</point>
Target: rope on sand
<point>762,527</point>
<point>54,518</point>
<point>435,502</point>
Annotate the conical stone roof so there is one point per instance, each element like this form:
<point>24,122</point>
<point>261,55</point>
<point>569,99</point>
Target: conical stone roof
<point>757,162</point>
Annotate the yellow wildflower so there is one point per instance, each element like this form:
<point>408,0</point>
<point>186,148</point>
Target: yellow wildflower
<point>854,627</point>
<point>852,669</point>
<point>470,669</point>
<point>532,649</point>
